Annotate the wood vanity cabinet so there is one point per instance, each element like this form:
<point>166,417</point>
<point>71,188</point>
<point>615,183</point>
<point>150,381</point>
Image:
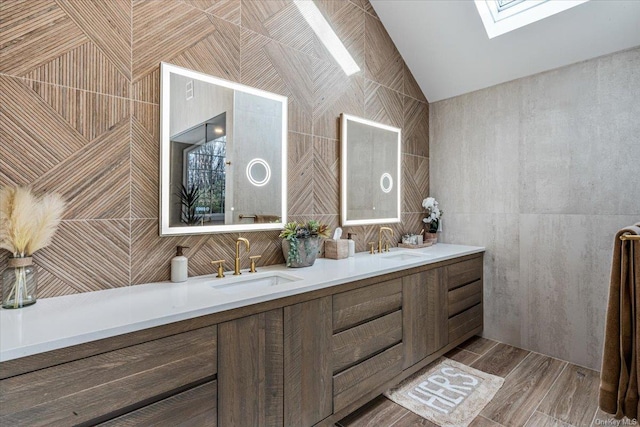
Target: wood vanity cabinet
<point>303,360</point>
<point>104,386</point>
<point>195,407</point>
<point>425,314</point>
<point>367,349</point>
<point>307,362</point>
<point>251,370</point>
<point>274,368</point>
<point>464,297</point>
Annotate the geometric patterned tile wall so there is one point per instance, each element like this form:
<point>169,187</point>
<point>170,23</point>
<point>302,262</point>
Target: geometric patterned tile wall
<point>79,115</point>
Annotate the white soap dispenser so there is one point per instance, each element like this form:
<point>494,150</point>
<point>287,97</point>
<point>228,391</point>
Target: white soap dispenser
<point>352,244</point>
<point>179,266</point>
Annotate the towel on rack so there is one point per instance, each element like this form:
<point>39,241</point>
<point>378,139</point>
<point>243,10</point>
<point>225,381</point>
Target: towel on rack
<point>266,218</point>
<point>619,377</point>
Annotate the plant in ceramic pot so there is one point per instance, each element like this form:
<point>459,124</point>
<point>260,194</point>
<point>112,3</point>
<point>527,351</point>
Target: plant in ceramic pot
<point>432,219</point>
<point>301,242</point>
<point>27,224</point>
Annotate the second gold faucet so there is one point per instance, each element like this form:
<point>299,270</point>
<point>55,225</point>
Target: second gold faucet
<point>380,239</point>
<point>236,270</point>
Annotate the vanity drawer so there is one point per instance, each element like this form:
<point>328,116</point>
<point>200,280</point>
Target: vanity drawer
<point>354,307</point>
<point>355,382</point>
<point>194,407</point>
<point>83,390</point>
<point>359,343</point>
<point>464,272</point>
<point>465,322</point>
<point>464,297</point>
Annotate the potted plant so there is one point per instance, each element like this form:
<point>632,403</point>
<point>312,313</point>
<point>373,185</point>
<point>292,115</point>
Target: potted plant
<point>432,220</point>
<point>301,242</point>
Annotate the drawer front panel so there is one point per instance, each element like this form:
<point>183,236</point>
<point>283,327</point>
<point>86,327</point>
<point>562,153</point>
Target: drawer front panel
<point>355,382</point>
<point>359,343</point>
<point>84,389</point>
<point>465,322</point>
<point>464,297</point>
<point>194,407</point>
<point>464,272</point>
<point>354,307</point>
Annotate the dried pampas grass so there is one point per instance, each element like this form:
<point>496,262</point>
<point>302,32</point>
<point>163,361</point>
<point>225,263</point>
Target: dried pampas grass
<point>27,223</point>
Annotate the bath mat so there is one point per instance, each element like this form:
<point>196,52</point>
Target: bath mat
<point>446,392</point>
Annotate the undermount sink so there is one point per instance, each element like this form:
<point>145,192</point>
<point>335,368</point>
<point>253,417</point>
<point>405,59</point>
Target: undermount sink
<point>254,282</point>
<point>404,256</point>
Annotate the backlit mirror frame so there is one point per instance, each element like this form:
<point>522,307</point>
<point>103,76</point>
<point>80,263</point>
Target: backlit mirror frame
<point>345,119</point>
<point>165,144</point>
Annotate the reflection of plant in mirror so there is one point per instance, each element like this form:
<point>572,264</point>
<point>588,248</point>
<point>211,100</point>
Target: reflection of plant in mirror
<point>293,231</point>
<point>188,200</point>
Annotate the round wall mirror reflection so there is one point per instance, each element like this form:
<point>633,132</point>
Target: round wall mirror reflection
<point>386,182</point>
<point>258,172</point>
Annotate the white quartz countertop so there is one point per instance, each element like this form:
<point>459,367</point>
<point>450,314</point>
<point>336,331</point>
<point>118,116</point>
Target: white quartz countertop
<point>59,322</point>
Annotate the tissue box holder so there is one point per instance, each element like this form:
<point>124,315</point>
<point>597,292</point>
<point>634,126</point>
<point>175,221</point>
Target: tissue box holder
<point>336,249</point>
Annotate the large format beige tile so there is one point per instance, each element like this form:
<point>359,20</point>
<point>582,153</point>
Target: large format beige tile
<point>555,143</point>
<point>565,262</point>
<point>503,293</point>
<point>474,156</point>
<point>576,116</point>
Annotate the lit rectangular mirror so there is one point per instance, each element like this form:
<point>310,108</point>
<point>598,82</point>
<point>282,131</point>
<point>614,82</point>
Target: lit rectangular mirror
<point>223,157</point>
<point>370,172</point>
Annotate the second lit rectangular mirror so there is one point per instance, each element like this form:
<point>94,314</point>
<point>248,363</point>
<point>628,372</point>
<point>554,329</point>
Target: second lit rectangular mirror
<point>223,161</point>
<point>370,172</point>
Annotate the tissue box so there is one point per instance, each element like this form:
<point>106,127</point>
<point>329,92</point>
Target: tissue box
<point>336,249</point>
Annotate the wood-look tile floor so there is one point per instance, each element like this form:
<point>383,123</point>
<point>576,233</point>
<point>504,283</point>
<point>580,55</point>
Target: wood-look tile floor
<point>538,391</point>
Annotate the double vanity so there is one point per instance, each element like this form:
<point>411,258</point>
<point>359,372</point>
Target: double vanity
<point>276,347</point>
<point>282,346</point>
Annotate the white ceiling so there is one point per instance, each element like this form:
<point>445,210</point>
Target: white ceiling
<point>447,49</point>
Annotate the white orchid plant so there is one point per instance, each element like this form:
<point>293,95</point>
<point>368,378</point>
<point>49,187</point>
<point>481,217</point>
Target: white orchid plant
<point>433,214</point>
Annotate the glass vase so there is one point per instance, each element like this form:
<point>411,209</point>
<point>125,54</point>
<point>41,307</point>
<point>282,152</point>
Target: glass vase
<point>19,283</point>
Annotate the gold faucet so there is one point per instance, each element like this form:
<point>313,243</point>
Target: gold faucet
<point>236,271</point>
<point>220,263</point>
<point>253,259</point>
<point>380,239</point>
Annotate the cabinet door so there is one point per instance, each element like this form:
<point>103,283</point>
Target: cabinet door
<point>424,302</point>
<point>307,362</point>
<point>250,371</point>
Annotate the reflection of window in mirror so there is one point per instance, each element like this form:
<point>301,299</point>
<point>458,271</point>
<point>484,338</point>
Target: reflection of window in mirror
<point>198,165</point>
<point>223,155</point>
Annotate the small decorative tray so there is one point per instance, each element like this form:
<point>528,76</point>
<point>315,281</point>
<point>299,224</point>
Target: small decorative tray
<point>409,246</point>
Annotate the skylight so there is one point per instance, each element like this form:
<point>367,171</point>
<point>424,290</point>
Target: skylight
<point>501,16</point>
<point>327,36</point>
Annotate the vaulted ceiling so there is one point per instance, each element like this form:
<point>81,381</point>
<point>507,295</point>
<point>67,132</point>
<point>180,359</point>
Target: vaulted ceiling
<point>445,45</point>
